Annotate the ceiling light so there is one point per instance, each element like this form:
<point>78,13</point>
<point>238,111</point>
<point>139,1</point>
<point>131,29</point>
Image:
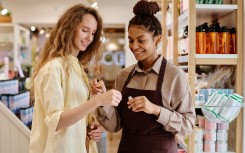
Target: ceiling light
<point>33,28</point>
<point>4,11</point>
<point>111,47</point>
<point>41,32</point>
<point>47,35</point>
<point>94,4</point>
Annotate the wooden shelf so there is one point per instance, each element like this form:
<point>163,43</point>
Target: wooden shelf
<point>198,105</point>
<point>210,12</point>
<point>21,41</point>
<point>207,12</point>
<point>212,59</point>
<point>185,67</point>
<point>6,45</point>
<point>217,56</point>
<point>216,59</point>
<point>183,59</point>
<point>219,152</point>
<point>227,15</point>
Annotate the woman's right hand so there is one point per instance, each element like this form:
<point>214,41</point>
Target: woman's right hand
<point>97,87</point>
<point>109,98</point>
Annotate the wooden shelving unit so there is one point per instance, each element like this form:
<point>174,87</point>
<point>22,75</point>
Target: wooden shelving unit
<point>15,39</point>
<point>211,59</point>
<point>194,16</point>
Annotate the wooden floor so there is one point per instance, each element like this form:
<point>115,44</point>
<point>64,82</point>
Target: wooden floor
<point>112,142</point>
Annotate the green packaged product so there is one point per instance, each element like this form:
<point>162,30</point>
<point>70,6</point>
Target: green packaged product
<point>210,2</point>
<point>218,1</point>
<point>202,1</point>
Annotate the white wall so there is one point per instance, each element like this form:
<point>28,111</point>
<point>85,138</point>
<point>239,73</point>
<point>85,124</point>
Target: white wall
<point>48,11</point>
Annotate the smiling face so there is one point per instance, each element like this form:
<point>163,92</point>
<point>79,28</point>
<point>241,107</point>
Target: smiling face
<point>142,44</point>
<point>84,33</point>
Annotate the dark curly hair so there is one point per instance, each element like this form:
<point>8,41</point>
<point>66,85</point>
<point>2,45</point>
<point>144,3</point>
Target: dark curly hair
<point>144,16</point>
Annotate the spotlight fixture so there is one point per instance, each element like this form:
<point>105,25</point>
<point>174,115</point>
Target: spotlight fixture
<point>4,11</point>
<point>33,28</point>
<point>93,3</point>
<point>41,31</point>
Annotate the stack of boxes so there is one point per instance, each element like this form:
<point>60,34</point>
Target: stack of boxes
<point>18,101</point>
<point>211,136</point>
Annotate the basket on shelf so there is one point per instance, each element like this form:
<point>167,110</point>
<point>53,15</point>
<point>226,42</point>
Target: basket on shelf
<point>221,108</point>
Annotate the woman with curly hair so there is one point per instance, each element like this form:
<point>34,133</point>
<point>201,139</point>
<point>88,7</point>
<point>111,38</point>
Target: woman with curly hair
<point>156,100</point>
<point>60,86</point>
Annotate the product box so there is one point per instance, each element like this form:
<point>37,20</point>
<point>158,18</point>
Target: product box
<point>208,92</point>
<point>16,101</point>
<point>9,86</point>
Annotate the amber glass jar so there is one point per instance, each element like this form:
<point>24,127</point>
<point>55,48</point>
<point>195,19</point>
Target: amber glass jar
<point>233,41</point>
<point>227,43</point>
<point>225,47</point>
<point>201,36</point>
<point>197,40</point>
<point>214,39</point>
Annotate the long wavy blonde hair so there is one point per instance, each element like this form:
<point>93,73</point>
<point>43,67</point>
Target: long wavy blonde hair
<point>60,42</point>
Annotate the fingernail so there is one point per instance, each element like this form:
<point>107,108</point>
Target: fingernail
<point>130,97</point>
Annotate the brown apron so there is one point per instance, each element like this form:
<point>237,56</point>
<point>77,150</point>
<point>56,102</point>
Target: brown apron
<point>141,132</point>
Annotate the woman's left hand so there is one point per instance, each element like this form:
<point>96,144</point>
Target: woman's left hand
<point>95,132</point>
<point>141,103</point>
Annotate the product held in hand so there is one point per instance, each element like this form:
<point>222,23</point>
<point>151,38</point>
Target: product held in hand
<point>130,97</point>
<point>99,83</point>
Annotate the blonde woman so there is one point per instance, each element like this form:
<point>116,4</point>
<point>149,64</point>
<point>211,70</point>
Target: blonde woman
<point>60,85</point>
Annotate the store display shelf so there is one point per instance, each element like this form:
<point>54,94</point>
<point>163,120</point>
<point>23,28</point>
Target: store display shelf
<point>216,59</point>
<point>221,56</point>
<point>15,120</point>
<point>183,59</point>
<point>215,7</point>
<point>199,105</point>
<point>210,12</point>
<point>183,17</point>
<point>220,152</point>
<point>212,59</point>
<point>184,67</point>
<point>6,24</point>
<point>4,46</point>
